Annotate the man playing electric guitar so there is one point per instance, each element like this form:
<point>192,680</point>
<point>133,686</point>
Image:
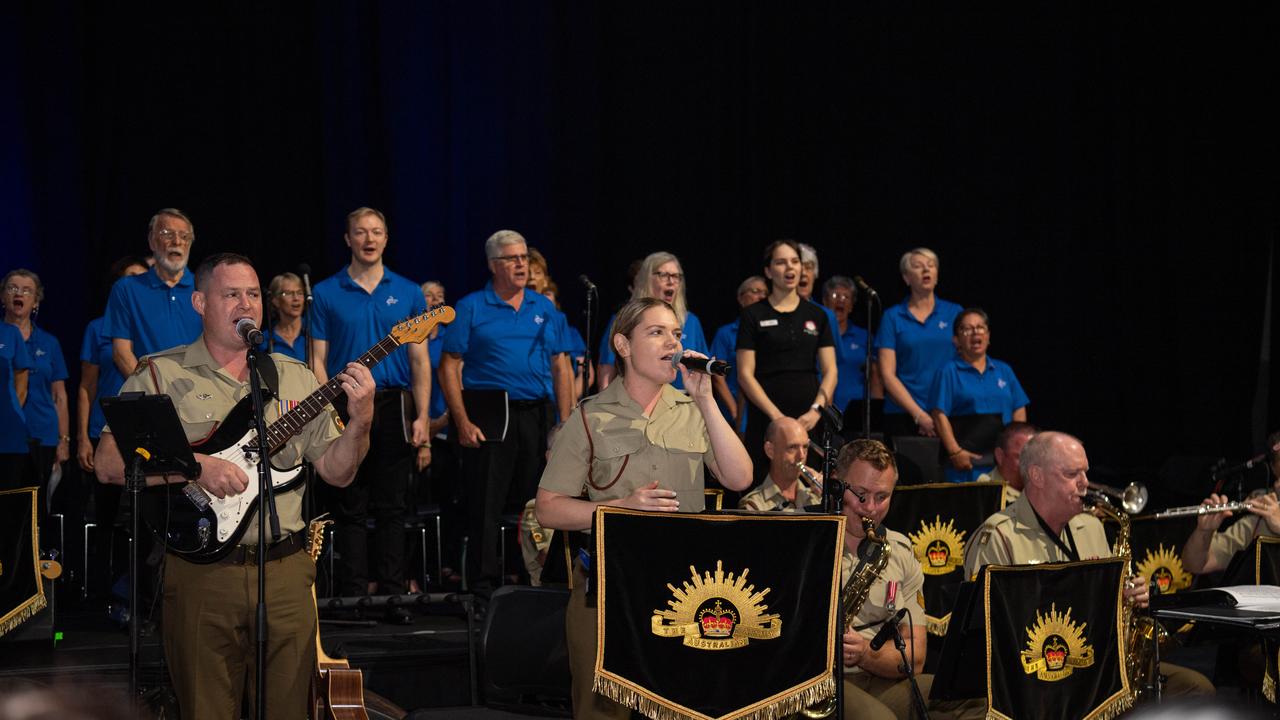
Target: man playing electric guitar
<point>209,625</point>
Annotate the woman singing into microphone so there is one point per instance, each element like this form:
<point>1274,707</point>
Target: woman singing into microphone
<point>639,444</point>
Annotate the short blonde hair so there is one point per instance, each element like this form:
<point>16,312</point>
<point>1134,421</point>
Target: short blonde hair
<point>873,452</point>
<point>903,264</point>
<point>361,212</point>
<point>626,321</point>
<point>649,266</point>
<point>277,282</point>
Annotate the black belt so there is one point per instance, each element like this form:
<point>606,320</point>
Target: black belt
<point>527,404</point>
<point>248,554</point>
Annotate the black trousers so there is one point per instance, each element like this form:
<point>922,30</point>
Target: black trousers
<point>502,476</point>
<point>380,491</point>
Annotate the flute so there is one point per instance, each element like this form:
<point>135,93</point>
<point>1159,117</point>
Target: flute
<point>1188,510</point>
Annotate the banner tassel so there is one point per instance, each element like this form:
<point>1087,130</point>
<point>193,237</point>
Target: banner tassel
<point>22,614</point>
<point>818,692</point>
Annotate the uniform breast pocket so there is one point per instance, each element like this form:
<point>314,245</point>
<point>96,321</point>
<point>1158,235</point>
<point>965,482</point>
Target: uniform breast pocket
<point>612,452</point>
<point>684,456</point>
<point>199,411</point>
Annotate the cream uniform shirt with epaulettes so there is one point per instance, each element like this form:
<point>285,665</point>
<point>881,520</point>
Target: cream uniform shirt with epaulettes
<point>1014,536</point>
<point>623,449</point>
<point>904,569</point>
<point>769,497</point>
<point>203,393</point>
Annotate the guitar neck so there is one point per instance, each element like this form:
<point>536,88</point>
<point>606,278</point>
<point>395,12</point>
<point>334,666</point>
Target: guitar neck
<point>292,422</point>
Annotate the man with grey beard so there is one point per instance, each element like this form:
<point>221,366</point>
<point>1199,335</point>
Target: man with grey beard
<point>151,312</point>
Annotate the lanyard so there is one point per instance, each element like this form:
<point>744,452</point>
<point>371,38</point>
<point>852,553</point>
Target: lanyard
<point>1068,550</point>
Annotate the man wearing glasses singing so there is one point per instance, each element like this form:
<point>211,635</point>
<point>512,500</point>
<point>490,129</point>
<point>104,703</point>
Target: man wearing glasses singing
<point>151,312</point>
<point>506,338</point>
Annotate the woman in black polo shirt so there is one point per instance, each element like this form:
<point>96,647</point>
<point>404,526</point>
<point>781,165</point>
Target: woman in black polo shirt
<point>780,343</point>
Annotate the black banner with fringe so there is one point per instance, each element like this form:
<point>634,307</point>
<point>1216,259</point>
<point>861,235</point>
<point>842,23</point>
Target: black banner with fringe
<point>1053,640</point>
<point>21,587</point>
<point>938,518</point>
<point>716,616</point>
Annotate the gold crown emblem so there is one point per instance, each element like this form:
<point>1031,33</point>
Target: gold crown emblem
<point>1055,646</point>
<point>1163,568</point>
<point>716,612</point>
<point>938,547</point>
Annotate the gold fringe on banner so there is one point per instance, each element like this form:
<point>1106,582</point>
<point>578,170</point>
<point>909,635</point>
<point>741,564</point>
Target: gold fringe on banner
<point>22,613</point>
<point>1269,687</point>
<point>938,626</point>
<point>656,709</point>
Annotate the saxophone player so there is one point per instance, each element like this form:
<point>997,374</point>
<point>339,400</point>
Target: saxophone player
<point>1048,524</point>
<point>1208,550</point>
<point>874,684</point>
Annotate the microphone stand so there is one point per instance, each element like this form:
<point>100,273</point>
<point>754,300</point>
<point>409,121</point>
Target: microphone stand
<point>267,507</point>
<point>917,700</point>
<point>866,372</point>
<point>586,358</point>
<point>833,502</point>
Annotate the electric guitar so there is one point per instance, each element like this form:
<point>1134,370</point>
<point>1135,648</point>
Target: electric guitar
<point>201,528</point>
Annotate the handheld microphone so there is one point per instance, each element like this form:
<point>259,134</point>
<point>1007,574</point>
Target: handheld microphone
<point>887,629</point>
<point>587,281</point>
<point>864,287</point>
<point>249,332</point>
<point>305,271</point>
<point>702,365</point>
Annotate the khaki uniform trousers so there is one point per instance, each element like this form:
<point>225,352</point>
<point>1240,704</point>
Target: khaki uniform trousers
<point>581,633</point>
<point>210,636</point>
<point>867,697</point>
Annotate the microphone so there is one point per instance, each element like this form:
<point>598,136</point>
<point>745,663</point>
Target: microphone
<point>305,271</point>
<point>587,281</point>
<point>864,287</point>
<point>887,630</point>
<point>249,332</point>
<point>702,365</point>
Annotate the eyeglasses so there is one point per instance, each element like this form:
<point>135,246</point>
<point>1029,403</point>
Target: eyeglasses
<point>974,330</point>
<point>839,296</point>
<point>17,290</point>
<point>183,235</point>
<point>291,293</point>
<point>665,276</point>
<point>522,258</point>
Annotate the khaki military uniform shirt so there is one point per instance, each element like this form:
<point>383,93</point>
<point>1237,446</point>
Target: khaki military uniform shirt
<point>1010,493</point>
<point>904,569</point>
<point>1239,536</point>
<point>769,497</point>
<point>1013,536</point>
<point>203,393</point>
<point>625,450</point>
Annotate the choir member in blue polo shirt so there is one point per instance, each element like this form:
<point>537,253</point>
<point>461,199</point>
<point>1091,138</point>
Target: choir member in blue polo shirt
<point>576,346</point>
<point>839,295</point>
<point>724,346</point>
<point>914,340</point>
<point>973,383</point>
<point>151,312</point>
<point>505,337</point>
<point>48,421</point>
<point>659,276</point>
<point>351,311</point>
<point>15,376</point>
<point>99,378</point>
<point>288,300</point>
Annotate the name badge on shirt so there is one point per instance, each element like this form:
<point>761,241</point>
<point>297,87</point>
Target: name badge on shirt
<point>769,323</point>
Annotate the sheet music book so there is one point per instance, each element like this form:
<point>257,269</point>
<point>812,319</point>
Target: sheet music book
<point>488,410</point>
<point>1253,598</point>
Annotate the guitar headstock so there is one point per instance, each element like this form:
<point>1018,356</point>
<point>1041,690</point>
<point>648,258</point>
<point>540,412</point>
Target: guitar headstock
<point>416,329</point>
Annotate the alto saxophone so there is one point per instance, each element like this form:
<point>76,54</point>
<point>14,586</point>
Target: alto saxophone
<point>855,594</point>
<point>1141,633</point>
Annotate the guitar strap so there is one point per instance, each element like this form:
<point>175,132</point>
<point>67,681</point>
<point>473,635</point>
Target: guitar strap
<point>270,377</point>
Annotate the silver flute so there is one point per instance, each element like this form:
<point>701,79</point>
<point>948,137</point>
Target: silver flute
<point>1187,510</point>
<point>810,480</point>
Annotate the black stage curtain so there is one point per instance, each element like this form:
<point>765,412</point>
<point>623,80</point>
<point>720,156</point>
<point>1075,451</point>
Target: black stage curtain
<point>1100,179</point>
<point>716,615</point>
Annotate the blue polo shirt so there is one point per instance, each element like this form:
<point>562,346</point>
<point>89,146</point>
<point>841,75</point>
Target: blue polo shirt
<point>13,357</point>
<point>921,347</point>
<point>96,350</point>
<point>47,367</point>
<point>724,347</point>
<point>959,389</point>
<point>692,338</point>
<point>851,357</point>
<point>507,349</point>
<point>297,351</point>
<point>352,321</point>
<point>435,348</point>
<point>150,314</point>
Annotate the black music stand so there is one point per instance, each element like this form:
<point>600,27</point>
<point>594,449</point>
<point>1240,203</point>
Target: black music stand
<point>962,667</point>
<point>149,425</point>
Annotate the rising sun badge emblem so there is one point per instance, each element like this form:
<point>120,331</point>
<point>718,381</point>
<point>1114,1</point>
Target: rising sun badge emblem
<point>716,612</point>
<point>1163,568</point>
<point>939,548</point>
<point>1055,646</point>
